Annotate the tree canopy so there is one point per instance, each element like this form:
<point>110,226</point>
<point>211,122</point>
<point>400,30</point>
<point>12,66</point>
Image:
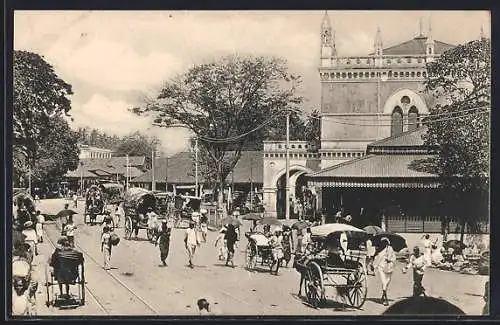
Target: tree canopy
<point>39,96</point>
<point>460,124</point>
<point>235,98</point>
<point>459,127</point>
<point>136,144</point>
<point>42,139</point>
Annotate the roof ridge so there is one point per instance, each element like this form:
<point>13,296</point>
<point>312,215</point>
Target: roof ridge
<point>327,169</point>
<point>378,142</point>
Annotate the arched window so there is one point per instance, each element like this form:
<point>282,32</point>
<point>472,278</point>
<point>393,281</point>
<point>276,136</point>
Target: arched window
<point>397,121</point>
<point>412,118</point>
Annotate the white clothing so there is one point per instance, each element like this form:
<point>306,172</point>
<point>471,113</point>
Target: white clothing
<point>70,229</point>
<point>370,249</point>
<point>192,238</point>
<point>427,251</point>
<point>30,235</point>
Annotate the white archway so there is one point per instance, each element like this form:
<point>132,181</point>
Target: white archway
<point>293,168</point>
<point>415,100</point>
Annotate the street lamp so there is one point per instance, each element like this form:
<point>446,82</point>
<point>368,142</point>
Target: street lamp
<point>287,153</point>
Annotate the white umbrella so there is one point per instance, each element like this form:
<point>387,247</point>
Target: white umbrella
<point>325,230</point>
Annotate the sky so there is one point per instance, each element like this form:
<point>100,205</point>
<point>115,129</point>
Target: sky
<point>113,58</point>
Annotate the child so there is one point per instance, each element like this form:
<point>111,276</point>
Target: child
<point>106,247</point>
<point>418,263</point>
<point>220,242</point>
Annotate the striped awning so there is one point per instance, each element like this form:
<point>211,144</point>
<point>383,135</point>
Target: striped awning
<point>370,183</point>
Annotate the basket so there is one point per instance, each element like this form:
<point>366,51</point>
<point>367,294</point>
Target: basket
<point>114,239</point>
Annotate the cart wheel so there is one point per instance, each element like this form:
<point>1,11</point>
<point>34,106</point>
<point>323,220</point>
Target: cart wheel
<point>82,279</point>
<point>128,228</point>
<point>251,258</point>
<point>150,234</point>
<point>357,287</point>
<point>315,290</point>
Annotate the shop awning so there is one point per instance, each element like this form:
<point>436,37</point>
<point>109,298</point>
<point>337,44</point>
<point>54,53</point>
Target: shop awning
<point>381,171</point>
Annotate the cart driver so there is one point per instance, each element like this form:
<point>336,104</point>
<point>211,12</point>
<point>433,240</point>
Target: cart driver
<point>267,231</point>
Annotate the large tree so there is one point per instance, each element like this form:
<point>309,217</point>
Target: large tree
<point>39,97</point>
<point>136,144</point>
<point>459,126</point>
<point>58,152</point>
<point>233,98</point>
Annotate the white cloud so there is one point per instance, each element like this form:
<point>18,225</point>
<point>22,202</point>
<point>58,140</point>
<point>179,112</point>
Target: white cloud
<point>113,117</point>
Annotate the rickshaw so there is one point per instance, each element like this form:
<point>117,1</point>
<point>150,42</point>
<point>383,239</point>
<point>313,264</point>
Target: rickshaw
<point>94,205</point>
<point>164,200</point>
<point>184,207</point>
<point>67,270</point>
<point>258,250</point>
<point>137,204</point>
<point>335,258</point>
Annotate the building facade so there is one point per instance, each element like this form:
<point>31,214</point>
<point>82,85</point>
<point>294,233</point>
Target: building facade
<point>364,99</point>
<point>374,96</point>
<point>87,152</point>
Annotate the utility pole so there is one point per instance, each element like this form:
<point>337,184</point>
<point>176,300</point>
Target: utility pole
<point>196,165</point>
<point>81,178</point>
<point>29,179</point>
<point>126,177</point>
<point>166,174</point>
<point>251,183</point>
<point>153,182</point>
<point>287,148</point>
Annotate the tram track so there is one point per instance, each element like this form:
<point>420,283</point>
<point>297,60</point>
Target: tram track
<point>117,280</point>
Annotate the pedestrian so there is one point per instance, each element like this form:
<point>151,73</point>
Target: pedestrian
<point>276,249</point>
<point>37,198</point>
<point>338,215</point>
<point>300,209</point>
<point>204,224</point>
<point>384,262</point>
<point>427,249</point>
<point>221,244</point>
<point>299,249</point>
<point>118,215</point>
<point>191,242</point>
<point>106,247</point>
<point>69,230</point>
<point>40,220</point>
<point>370,253</point>
<point>164,242</point>
<point>418,264</point>
<point>307,238</point>
<point>231,238</point>
<point>75,200</point>
<point>287,245</point>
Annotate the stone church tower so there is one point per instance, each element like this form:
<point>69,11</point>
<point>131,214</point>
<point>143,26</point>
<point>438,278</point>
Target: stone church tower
<point>374,96</point>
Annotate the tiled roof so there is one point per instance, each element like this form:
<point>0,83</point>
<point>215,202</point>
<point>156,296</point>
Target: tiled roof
<point>113,165</point>
<point>181,169</point>
<point>416,46</point>
<point>376,166</point>
<point>405,139</point>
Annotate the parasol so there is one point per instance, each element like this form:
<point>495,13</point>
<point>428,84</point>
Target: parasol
<point>270,221</point>
<point>299,225</point>
<point>231,221</point>
<point>252,216</point>
<point>373,230</point>
<point>397,241</point>
<point>423,306</point>
<point>325,230</point>
<point>457,245</point>
<point>65,213</point>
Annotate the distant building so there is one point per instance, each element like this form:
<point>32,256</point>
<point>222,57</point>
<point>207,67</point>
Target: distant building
<point>91,170</point>
<point>94,152</point>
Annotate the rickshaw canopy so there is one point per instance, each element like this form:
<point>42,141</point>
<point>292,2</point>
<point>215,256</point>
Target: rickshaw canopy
<point>326,229</point>
<point>141,201</point>
<point>194,202</point>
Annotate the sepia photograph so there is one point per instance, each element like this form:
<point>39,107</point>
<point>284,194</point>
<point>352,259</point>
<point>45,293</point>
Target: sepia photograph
<point>250,163</point>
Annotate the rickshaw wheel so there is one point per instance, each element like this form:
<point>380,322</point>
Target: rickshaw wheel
<point>150,234</point>
<point>315,290</point>
<point>251,257</point>
<point>128,228</point>
<point>357,287</point>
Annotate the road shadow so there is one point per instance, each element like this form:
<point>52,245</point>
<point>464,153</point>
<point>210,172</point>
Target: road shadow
<point>327,304</point>
<point>381,302</point>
